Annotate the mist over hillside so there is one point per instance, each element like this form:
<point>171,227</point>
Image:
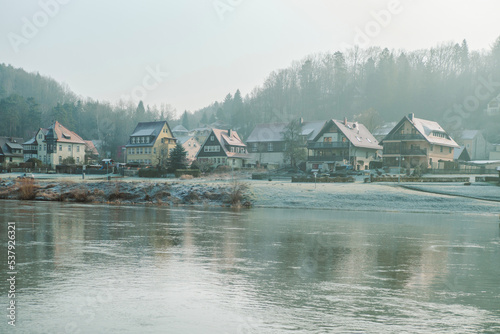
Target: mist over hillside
<point>448,83</point>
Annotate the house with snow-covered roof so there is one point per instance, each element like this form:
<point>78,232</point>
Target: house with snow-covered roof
<point>266,143</point>
<point>150,143</point>
<point>223,147</point>
<point>341,143</point>
<point>417,141</point>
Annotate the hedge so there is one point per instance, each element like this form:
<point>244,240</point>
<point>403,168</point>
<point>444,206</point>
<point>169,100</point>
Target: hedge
<point>193,172</point>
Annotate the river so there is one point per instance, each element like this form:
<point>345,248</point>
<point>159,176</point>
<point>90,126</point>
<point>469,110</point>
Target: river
<point>139,269</point>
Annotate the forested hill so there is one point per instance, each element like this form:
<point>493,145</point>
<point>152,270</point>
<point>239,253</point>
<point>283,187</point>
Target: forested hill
<point>29,101</point>
<point>447,83</point>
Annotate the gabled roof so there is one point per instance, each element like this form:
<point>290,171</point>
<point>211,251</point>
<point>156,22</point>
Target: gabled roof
<point>7,144</point>
<point>225,139</point>
<point>461,153</point>
<point>469,134</point>
<point>356,133</point>
<point>180,128</point>
<point>90,147</point>
<point>183,139</point>
<point>63,135</point>
<point>149,129</point>
<point>311,129</point>
<point>267,132</point>
<point>427,129</point>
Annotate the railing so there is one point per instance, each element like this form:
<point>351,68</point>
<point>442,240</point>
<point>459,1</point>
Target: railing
<point>399,136</point>
<point>407,151</point>
<point>327,145</point>
<point>325,158</point>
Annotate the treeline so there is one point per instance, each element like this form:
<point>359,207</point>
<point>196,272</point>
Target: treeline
<point>29,101</point>
<point>448,83</point>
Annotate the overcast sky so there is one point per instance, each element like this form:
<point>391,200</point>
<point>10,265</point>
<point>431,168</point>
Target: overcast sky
<point>189,53</point>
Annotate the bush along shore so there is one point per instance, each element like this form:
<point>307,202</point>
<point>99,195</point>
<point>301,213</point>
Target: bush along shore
<point>232,194</point>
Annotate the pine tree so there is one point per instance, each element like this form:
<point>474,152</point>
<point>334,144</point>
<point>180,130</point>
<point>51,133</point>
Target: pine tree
<point>177,159</point>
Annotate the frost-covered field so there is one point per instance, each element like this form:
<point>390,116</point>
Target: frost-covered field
<point>377,197</point>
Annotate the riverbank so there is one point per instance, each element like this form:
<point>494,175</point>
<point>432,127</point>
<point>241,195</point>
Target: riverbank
<point>478,198</point>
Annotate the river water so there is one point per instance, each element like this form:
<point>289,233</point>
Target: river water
<point>129,269</point>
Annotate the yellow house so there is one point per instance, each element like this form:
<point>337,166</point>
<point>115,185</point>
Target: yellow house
<point>416,141</point>
<point>150,143</point>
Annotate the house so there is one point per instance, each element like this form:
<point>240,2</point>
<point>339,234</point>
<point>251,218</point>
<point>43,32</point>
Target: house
<point>416,141</point>
<point>91,153</point>
<point>150,143</point>
<point>267,145</point>
<point>11,151</point>
<point>223,147</point>
<point>56,144</point>
<point>475,143</point>
<point>34,148</point>
<point>179,131</point>
<point>342,143</point>
<point>191,146</point>
<point>461,154</point>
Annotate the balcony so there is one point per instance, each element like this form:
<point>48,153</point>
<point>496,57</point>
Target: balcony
<point>404,137</point>
<point>406,152</point>
<point>313,146</point>
<point>325,158</point>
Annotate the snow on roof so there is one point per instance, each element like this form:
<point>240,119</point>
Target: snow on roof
<point>311,129</point>
<point>179,128</point>
<point>267,132</point>
<point>358,134</point>
<point>469,134</point>
<point>429,129</point>
<point>233,140</point>
<point>148,128</point>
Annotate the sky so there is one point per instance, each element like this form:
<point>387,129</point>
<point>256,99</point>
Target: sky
<point>190,53</point>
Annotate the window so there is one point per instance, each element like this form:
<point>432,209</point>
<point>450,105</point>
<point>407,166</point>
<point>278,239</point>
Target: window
<point>60,147</point>
<point>154,150</point>
<point>441,149</point>
<point>132,140</point>
<point>77,160</point>
<point>142,139</point>
<point>212,138</point>
<point>60,160</point>
<point>450,149</point>
<point>147,140</point>
<point>254,147</point>
<point>234,162</point>
<point>432,148</point>
<point>39,147</point>
<point>45,147</point>
<point>69,148</point>
<point>78,148</point>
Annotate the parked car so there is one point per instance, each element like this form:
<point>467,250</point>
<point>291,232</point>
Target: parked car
<point>26,176</point>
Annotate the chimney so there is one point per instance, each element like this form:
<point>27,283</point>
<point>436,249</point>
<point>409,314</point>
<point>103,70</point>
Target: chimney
<point>410,116</point>
<point>301,120</point>
<point>229,133</point>
<point>345,121</point>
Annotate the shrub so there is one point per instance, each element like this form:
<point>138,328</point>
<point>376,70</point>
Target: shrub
<point>27,189</point>
<point>236,192</point>
<point>187,177</point>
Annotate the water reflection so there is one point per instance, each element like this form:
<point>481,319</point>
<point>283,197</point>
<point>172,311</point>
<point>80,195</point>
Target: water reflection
<point>139,269</point>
